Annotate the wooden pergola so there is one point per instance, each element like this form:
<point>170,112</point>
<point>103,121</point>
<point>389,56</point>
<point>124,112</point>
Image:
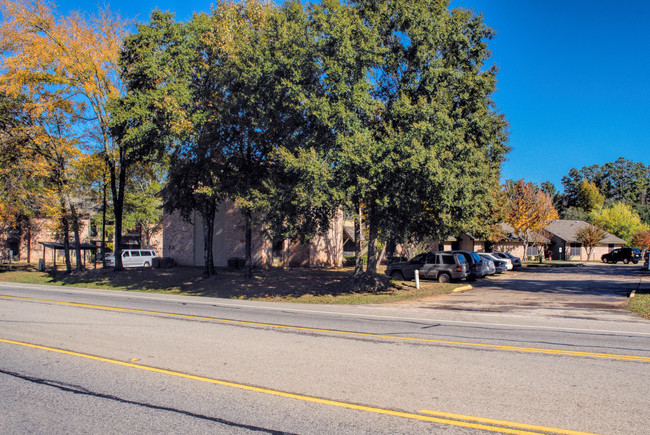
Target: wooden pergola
<point>56,246</point>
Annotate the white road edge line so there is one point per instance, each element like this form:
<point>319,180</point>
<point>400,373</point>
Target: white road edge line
<point>248,304</point>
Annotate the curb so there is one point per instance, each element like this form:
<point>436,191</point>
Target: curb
<point>463,288</point>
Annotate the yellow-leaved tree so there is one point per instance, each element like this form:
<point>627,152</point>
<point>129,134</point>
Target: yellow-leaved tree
<point>64,70</point>
<point>529,209</point>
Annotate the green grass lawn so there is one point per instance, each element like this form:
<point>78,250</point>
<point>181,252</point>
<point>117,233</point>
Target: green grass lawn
<point>640,304</point>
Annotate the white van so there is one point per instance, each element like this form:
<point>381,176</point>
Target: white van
<point>133,258</point>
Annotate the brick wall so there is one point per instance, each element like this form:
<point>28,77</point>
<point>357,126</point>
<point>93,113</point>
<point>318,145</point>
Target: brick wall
<point>184,242</point>
<point>178,239</point>
<point>514,248</point>
<point>326,250</point>
<point>41,230</point>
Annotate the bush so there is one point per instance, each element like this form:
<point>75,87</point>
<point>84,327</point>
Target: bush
<point>350,261</point>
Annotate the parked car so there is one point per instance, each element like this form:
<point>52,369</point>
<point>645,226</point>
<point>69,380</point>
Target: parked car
<point>622,254</point>
<point>99,256</point>
<point>516,261</point>
<point>477,267</point>
<point>500,264</point>
<point>133,258</point>
<point>441,266</point>
<point>491,268</point>
<point>645,259</point>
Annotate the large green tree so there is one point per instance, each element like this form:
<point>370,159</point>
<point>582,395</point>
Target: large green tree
<point>435,147</point>
<point>274,127</point>
<point>172,105</point>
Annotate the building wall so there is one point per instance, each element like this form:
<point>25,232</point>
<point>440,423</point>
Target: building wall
<point>184,241</point>
<point>178,238</point>
<point>561,250</point>
<point>41,230</point>
<point>326,250</point>
<point>514,248</point>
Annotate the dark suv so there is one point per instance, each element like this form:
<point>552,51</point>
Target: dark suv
<point>443,266</point>
<point>477,267</point>
<point>622,254</point>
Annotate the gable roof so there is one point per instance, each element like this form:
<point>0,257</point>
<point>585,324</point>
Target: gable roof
<point>534,236</point>
<point>567,230</point>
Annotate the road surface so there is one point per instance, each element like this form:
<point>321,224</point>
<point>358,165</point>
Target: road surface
<point>89,361</point>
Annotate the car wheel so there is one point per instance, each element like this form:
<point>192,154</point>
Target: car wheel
<point>626,261</point>
<point>399,276</point>
<point>635,261</point>
<point>604,260</point>
<point>444,278</point>
<point>146,264</point>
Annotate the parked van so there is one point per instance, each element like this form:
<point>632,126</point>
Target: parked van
<point>133,258</point>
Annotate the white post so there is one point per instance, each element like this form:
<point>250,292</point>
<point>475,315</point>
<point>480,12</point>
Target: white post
<point>417,279</point>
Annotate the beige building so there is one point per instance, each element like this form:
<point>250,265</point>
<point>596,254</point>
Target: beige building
<point>566,246</point>
<point>27,244</point>
<point>560,239</point>
<point>184,242</point>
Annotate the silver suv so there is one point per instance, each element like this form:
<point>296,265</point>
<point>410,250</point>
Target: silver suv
<point>442,266</point>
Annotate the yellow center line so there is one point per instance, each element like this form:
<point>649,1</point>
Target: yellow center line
<point>491,421</point>
<point>482,424</point>
<point>352,333</point>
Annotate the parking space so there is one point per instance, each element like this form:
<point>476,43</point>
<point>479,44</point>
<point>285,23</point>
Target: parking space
<point>588,290</point>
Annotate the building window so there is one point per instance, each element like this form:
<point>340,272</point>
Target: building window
<point>575,249</point>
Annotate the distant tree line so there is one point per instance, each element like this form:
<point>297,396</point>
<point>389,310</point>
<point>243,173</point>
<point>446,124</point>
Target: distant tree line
<point>614,196</point>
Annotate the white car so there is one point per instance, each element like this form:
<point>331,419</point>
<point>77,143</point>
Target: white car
<point>514,261</point>
<point>133,258</point>
<point>500,264</point>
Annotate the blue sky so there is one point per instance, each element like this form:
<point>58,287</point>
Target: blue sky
<point>574,78</point>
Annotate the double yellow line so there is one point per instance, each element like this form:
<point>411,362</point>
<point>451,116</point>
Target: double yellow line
<point>351,333</point>
<point>459,420</point>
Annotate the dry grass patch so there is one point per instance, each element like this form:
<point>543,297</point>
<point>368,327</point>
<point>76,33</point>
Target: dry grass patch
<point>640,303</point>
<point>300,285</point>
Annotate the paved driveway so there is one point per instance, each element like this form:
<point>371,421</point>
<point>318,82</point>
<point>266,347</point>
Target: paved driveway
<point>589,291</point>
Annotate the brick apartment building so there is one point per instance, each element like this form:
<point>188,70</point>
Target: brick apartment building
<point>184,242</point>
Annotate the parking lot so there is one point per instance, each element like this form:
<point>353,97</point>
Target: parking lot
<point>592,290</point>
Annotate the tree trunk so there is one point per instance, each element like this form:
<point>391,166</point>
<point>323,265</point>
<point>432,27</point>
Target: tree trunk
<point>358,245</point>
<point>77,239</point>
<point>29,241</point>
<point>373,257</point>
<point>208,213</point>
<point>103,244</point>
<point>66,238</point>
<point>117,189</point>
<point>248,244</point>
<point>285,253</point>
<point>145,240</point>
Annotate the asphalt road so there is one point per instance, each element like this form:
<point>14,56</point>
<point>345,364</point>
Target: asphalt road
<point>89,361</point>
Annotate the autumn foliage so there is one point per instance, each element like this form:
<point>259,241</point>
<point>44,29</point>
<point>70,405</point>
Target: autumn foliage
<point>642,240</point>
<point>529,209</point>
<point>61,73</point>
